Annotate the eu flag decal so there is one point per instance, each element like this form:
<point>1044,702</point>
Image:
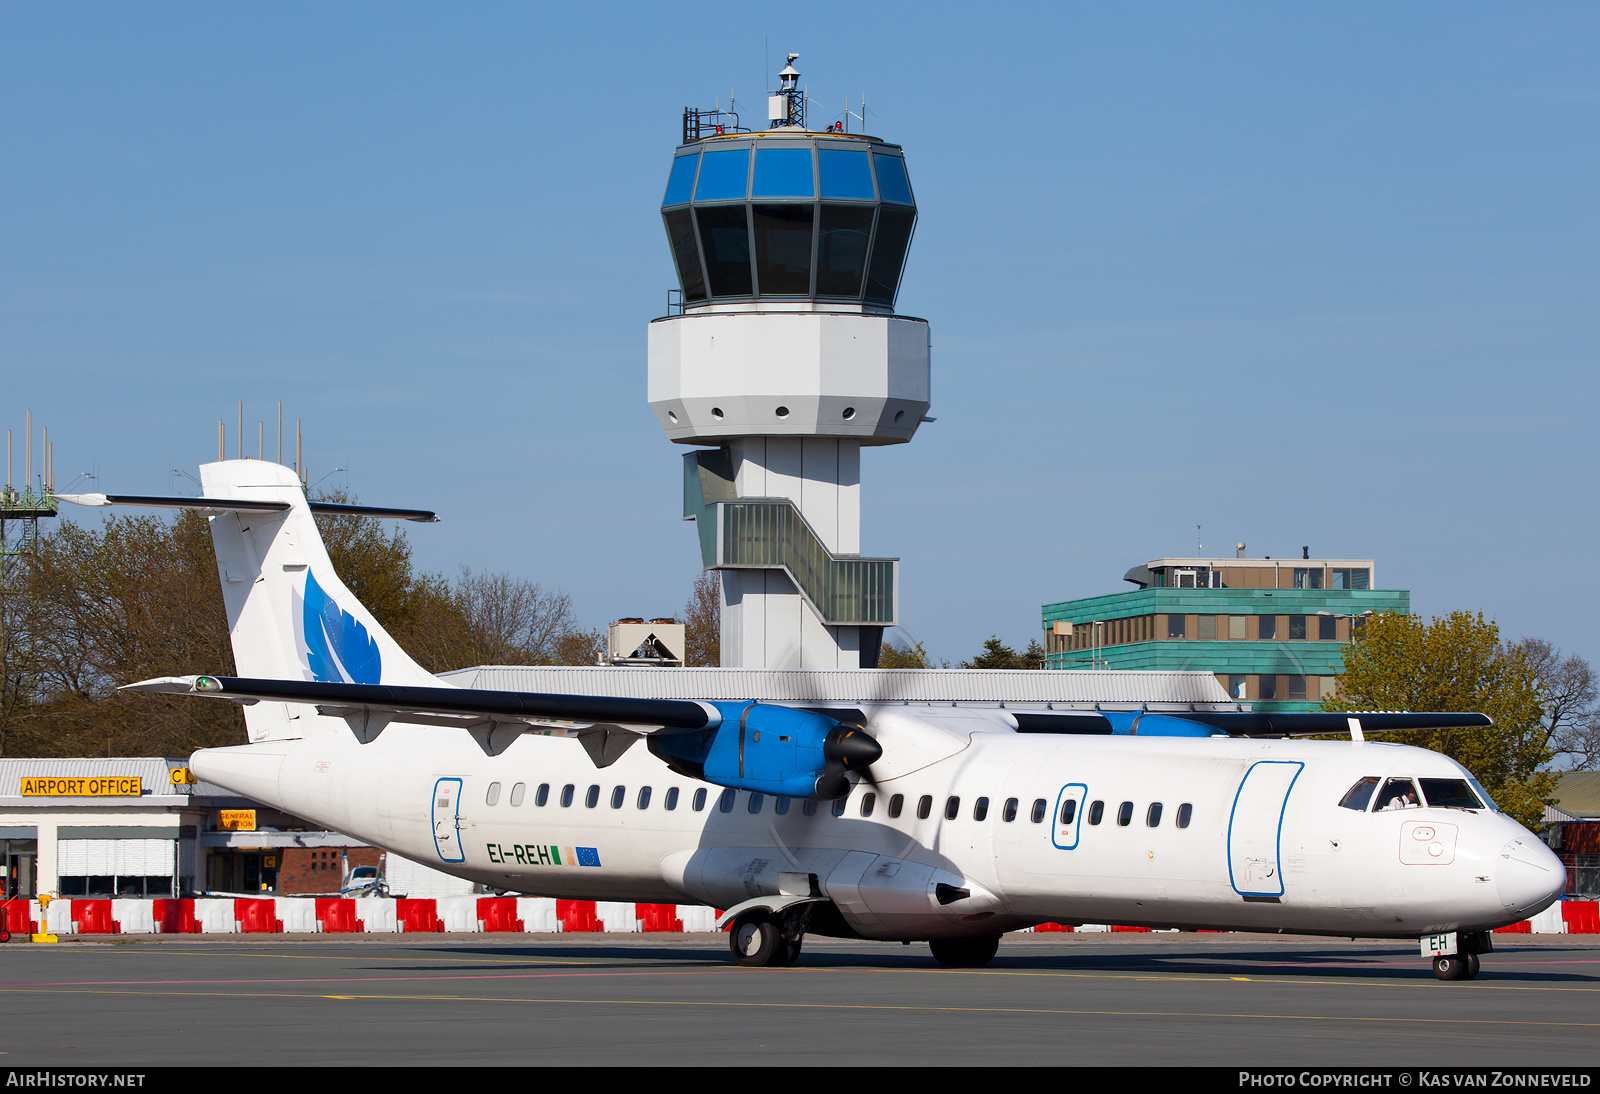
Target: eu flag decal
<point>588,856</point>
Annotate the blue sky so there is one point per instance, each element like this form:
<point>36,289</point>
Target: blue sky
<point>1302,275</point>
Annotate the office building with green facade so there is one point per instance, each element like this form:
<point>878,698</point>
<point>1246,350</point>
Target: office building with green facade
<point>1272,630</point>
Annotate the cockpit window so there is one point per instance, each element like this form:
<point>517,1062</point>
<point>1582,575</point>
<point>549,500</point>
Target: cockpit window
<point>1449,794</point>
<point>1360,795</point>
<point>1397,794</point>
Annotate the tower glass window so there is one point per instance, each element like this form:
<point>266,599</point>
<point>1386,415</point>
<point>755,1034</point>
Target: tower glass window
<point>783,248</point>
<point>845,174</point>
<point>842,248</point>
<point>783,173</point>
<point>680,184</point>
<point>724,175</point>
<point>892,182</point>
<point>680,233</point>
<point>725,239</point>
<point>889,253</point>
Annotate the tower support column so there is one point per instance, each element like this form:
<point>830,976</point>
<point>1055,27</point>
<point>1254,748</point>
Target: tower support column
<point>765,621</point>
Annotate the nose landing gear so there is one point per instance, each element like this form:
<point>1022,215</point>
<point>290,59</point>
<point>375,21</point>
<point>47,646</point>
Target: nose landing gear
<point>1456,967</point>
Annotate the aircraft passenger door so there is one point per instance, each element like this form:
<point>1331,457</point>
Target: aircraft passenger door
<point>447,819</point>
<point>1255,829</point>
<point>1068,818</point>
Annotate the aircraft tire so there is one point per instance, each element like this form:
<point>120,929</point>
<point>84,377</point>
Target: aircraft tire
<point>1473,965</point>
<point>756,942</point>
<point>1450,968</point>
<point>965,953</point>
<point>788,954</point>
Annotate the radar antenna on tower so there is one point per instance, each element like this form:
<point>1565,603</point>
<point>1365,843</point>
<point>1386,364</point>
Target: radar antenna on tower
<point>787,105</point>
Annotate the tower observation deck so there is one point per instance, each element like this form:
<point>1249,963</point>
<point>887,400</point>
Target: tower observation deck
<point>785,359</point>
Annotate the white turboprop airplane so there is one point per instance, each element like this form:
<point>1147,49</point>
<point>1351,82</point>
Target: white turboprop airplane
<point>891,821</point>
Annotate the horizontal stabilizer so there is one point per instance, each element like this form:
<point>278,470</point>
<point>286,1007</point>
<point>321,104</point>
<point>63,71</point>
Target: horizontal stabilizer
<point>244,505</point>
<point>459,705</point>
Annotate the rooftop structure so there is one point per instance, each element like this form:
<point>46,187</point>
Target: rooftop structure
<point>1271,630</point>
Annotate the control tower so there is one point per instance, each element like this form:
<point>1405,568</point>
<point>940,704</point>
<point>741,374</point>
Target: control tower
<point>785,358</point>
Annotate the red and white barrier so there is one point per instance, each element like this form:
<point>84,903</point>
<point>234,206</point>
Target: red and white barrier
<point>473,914</point>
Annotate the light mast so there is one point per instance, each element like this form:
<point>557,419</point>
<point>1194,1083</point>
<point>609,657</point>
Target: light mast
<point>786,358</point>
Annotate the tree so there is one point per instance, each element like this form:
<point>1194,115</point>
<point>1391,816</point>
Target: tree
<point>490,619</point>
<point>1567,693</point>
<point>702,622</point>
<point>891,656</point>
<point>1456,664</point>
<point>998,655</point>
<point>135,598</point>
<point>92,608</point>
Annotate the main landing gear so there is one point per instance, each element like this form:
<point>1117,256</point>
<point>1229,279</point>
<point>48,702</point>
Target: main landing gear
<point>758,940</point>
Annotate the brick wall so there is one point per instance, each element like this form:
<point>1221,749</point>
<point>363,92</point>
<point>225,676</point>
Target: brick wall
<point>307,870</point>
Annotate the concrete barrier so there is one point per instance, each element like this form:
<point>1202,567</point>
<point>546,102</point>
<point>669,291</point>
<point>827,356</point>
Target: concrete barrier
<point>471,914</point>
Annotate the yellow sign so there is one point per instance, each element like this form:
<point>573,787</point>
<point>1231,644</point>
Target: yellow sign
<point>236,820</point>
<point>269,862</point>
<point>182,776</point>
<point>106,786</point>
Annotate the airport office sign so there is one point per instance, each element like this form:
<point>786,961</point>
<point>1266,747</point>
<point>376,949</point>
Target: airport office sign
<point>103,786</point>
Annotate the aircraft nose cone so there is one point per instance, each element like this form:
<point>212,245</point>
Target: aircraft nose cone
<point>1529,877</point>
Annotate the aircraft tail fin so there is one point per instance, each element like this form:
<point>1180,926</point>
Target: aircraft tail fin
<point>290,617</point>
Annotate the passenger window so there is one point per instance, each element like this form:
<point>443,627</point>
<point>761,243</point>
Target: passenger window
<point>1359,796</point>
<point>699,802</point>
<point>1039,807</point>
<point>1397,794</point>
<point>896,804</point>
<point>725,803</point>
<point>780,806</point>
<point>1152,816</point>
<point>518,792</point>
<point>619,794</point>
<point>980,809</point>
<point>952,806</point>
<point>566,795</point>
<point>809,808</point>
<point>494,794</point>
<point>542,795</point>
<point>1097,812</point>
<point>592,797</point>
<point>756,802</point>
<point>644,797</point>
<point>672,799</point>
<point>924,806</point>
<point>838,805</point>
<point>1185,811</point>
<point>1124,814</point>
<point>867,802</point>
<point>1069,809</point>
<point>1009,813</point>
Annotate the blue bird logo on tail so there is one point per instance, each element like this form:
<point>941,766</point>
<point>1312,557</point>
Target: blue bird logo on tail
<point>338,648</point>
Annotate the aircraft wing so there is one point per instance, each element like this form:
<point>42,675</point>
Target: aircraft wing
<point>605,724</point>
<point>1319,723</point>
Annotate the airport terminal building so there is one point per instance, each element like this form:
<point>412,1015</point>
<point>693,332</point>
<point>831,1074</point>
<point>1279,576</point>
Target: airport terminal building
<point>144,827</point>
<point>1271,630</point>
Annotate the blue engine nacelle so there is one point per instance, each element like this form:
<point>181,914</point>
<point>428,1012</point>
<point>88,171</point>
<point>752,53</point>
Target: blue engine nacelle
<point>770,749</point>
<point>1138,723</point>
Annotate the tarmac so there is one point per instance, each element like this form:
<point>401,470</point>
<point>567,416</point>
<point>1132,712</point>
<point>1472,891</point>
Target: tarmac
<point>532,1000</point>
